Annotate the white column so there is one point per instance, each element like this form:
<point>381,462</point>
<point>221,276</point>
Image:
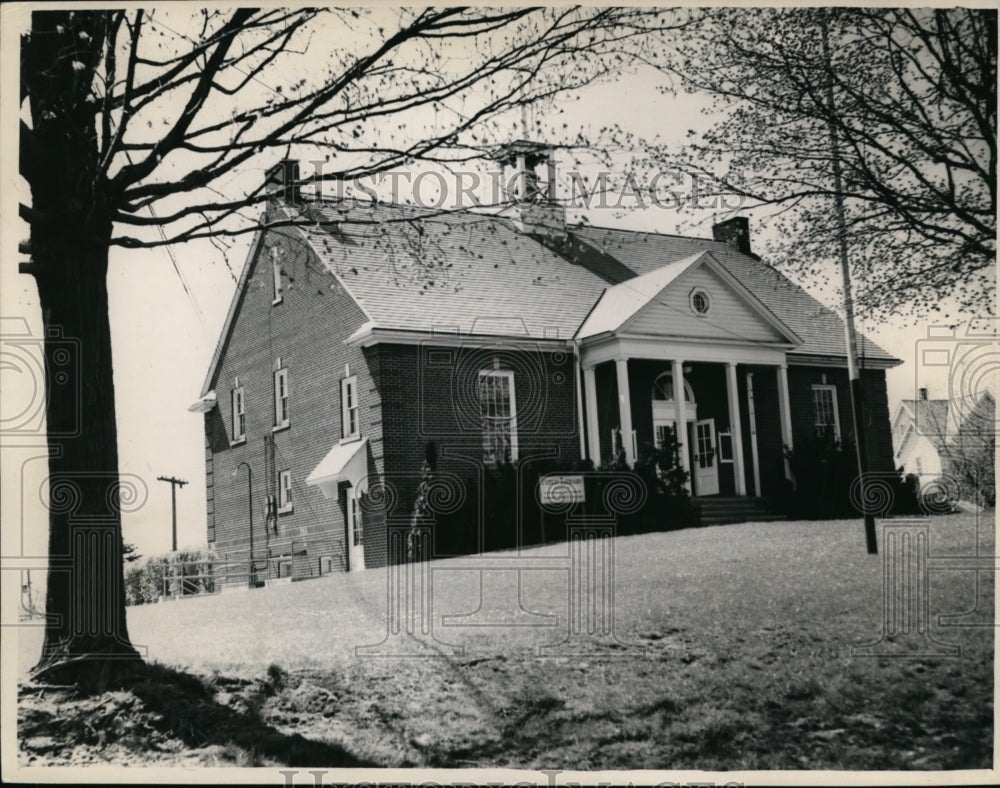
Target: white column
<point>578,396</point>
<point>735,427</point>
<point>786,414</point>
<point>679,415</point>
<point>590,394</point>
<point>752,418</point>
<point>625,409</point>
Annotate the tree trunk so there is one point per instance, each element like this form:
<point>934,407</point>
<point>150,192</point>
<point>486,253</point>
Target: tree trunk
<point>86,638</point>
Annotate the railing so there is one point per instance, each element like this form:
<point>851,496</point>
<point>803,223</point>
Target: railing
<point>185,579</point>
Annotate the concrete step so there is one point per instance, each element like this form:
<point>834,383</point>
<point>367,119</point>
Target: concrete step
<point>719,511</point>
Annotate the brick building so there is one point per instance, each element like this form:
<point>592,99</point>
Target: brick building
<point>367,331</point>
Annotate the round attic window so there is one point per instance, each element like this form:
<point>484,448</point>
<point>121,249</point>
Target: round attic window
<point>700,302</point>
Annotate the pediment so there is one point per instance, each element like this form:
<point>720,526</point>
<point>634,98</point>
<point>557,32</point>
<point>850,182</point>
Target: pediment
<point>706,302</point>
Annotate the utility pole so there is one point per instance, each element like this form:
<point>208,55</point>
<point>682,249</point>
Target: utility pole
<point>174,484</point>
<point>857,392</point>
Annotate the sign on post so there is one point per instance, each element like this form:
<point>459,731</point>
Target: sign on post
<point>560,490</point>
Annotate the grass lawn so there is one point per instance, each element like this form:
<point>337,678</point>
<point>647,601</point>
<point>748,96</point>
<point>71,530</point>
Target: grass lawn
<point>737,655</point>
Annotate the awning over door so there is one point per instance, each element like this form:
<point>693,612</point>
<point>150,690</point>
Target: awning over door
<point>345,462</point>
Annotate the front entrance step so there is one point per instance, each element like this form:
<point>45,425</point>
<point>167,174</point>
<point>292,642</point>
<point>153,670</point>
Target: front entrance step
<point>717,510</point>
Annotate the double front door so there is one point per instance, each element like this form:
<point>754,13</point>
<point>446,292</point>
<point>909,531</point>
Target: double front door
<point>702,439</point>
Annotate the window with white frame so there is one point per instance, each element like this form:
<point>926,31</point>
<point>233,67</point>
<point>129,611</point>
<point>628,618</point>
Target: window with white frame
<point>725,446</point>
<point>284,491</point>
<point>701,302</point>
<point>239,414</point>
<point>825,407</point>
<point>276,274</point>
<point>281,398</point>
<point>498,415</point>
<point>350,426</point>
<point>663,388</point>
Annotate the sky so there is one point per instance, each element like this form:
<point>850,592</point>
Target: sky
<point>168,307</point>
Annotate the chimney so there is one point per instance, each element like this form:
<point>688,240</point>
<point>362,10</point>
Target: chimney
<point>282,182</point>
<point>923,394</point>
<point>735,232</point>
<point>528,172</point>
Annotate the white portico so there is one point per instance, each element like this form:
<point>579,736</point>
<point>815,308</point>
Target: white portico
<point>687,327</point>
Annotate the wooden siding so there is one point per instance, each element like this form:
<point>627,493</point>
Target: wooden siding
<point>730,316</point>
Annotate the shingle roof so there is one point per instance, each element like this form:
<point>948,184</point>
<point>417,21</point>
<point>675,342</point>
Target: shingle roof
<point>821,330</point>
<point>930,414</point>
<point>942,416</point>
<point>930,419</point>
<point>413,269</point>
<point>452,271</point>
<point>619,302</point>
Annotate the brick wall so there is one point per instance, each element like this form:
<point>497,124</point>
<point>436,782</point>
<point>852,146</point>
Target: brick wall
<point>770,449</point>
<point>878,433</point>
<point>429,394</point>
<point>606,383</point>
<point>306,331</point>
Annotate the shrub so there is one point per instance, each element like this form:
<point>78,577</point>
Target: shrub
<point>173,573</point>
<point>669,504</point>
<point>825,471</point>
<point>505,502</point>
<point>503,499</point>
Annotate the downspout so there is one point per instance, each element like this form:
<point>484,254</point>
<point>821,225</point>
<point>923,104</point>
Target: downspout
<point>578,371</point>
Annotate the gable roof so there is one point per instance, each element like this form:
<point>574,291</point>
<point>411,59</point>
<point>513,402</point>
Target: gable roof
<point>626,300</point>
<point>927,417</point>
<point>451,271</point>
<point>820,328</point>
<point>930,414</point>
<point>207,402</point>
<point>940,418</point>
<point>416,269</point>
<point>420,270</point>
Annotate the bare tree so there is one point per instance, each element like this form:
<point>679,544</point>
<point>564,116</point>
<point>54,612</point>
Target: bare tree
<point>964,435</point>
<point>136,124</point>
<point>911,96</point>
